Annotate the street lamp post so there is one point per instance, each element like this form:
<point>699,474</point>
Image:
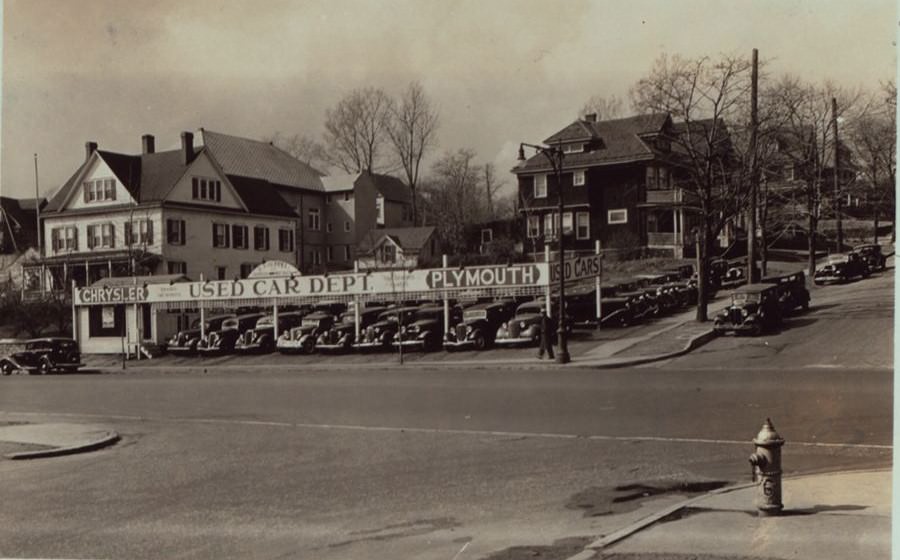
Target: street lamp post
<point>555,156</point>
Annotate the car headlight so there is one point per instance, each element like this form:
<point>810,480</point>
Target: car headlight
<point>522,324</point>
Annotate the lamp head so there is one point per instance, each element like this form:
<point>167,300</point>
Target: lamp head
<point>521,153</point>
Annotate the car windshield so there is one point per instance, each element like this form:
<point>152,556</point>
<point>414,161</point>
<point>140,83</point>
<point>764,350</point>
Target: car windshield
<point>835,259</point>
<point>67,345</point>
<point>348,318</point>
<point>427,314</point>
<point>195,324</point>
<point>475,314</point>
<point>744,297</point>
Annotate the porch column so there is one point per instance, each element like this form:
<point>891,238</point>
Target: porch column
<point>547,260</point>
<point>87,274</point>
<point>109,267</point>
<point>275,319</point>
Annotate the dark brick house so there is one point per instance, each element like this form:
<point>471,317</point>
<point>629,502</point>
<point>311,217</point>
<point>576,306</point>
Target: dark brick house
<point>617,184</point>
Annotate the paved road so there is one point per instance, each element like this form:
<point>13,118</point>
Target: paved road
<point>432,464</point>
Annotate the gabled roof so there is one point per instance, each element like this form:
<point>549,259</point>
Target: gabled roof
<point>261,197</point>
<point>337,183</point>
<point>260,160</point>
<point>391,188</point>
<point>408,239</point>
<point>612,141</point>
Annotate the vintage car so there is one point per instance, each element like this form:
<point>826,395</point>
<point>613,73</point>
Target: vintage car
<point>223,340</point>
<point>617,310</point>
<point>793,291</point>
<point>43,356</point>
<point>478,326</point>
<point>341,335</point>
<point>754,309</point>
<point>261,338</point>
<point>381,333</point>
<point>426,330</point>
<point>641,305</point>
<point>871,253</point>
<point>185,342</point>
<point>302,338</point>
<point>841,267</point>
<point>525,326</point>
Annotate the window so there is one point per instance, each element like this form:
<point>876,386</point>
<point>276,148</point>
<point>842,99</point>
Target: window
<point>573,148</point>
<point>246,269</point>
<point>261,238</point>
<point>578,178</point>
<point>221,272</point>
<point>347,226</point>
<point>329,227</point>
<point>286,240</point>
<point>64,238</point>
<point>346,252</point>
<point>327,199</point>
<point>388,253</point>
<point>550,222</point>
<point>487,235</point>
<point>206,189</point>
<point>313,222</point>
<point>101,236</point>
<point>540,186</point>
<point>240,237</point>
<point>664,178</point>
<point>329,254</point>
<point>567,223</point>
<point>177,267</point>
<point>316,257</point>
<point>175,232</point>
<point>379,210</point>
<point>583,225</point>
<point>99,190</point>
<point>139,233</point>
<point>348,196</point>
<point>220,235</point>
<point>534,227</point>
<point>617,216</point>
<point>653,178</point>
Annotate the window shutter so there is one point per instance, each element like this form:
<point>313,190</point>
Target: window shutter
<point>194,188</point>
<point>129,233</point>
<point>90,237</point>
<point>112,189</point>
<point>75,239</point>
<point>183,236</point>
<point>214,243</point>
<point>54,239</point>
<point>149,232</point>
<point>218,191</point>
<point>86,188</point>
<point>112,236</point>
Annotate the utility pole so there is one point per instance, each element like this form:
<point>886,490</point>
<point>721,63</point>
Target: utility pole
<point>837,179</point>
<point>754,176</point>
<point>37,218</point>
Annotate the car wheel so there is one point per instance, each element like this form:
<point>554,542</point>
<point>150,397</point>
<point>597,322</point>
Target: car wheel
<point>479,341</point>
<point>309,345</point>
<point>45,367</point>
<point>6,368</point>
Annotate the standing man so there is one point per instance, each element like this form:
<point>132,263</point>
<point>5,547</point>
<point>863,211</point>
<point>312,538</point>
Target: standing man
<point>546,337</point>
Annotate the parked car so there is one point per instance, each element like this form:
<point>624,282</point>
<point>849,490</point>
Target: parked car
<point>793,291</point>
<point>261,338</point>
<point>525,327</point>
<point>341,335</point>
<point>223,340</point>
<point>754,309</point>
<point>617,310</point>
<point>185,342</point>
<point>642,305</point>
<point>871,253</point>
<point>381,333</point>
<point>43,356</point>
<point>478,326</point>
<point>426,331</point>
<point>841,267</point>
<point>302,338</point>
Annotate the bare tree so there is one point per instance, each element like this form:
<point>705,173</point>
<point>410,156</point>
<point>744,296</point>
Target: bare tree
<point>703,94</point>
<point>356,130</point>
<point>874,138</point>
<point>412,131</point>
<point>807,126</point>
<point>605,107</point>
<point>306,149</point>
<point>452,197</point>
<point>491,186</point>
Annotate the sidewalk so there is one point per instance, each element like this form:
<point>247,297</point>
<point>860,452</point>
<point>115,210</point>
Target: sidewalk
<point>34,441</point>
<point>826,516</point>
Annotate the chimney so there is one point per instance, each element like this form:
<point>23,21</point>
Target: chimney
<point>187,147</point>
<point>149,143</point>
<point>89,148</point>
<point>591,117</point>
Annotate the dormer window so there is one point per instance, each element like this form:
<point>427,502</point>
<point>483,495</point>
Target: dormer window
<point>99,190</point>
<point>206,189</point>
<point>578,178</point>
<point>573,148</point>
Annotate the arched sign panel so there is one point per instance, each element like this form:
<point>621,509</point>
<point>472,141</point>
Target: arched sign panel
<point>274,269</point>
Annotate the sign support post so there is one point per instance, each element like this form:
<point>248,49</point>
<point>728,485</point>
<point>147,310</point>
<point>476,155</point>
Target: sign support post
<point>356,325</point>
<point>446,301</point>
<point>202,315</point>
<point>597,283</point>
<point>275,320</point>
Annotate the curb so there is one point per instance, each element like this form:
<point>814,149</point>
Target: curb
<point>692,344</point>
<point>107,440</point>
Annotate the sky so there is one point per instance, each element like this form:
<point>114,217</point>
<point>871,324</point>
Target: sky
<point>500,71</point>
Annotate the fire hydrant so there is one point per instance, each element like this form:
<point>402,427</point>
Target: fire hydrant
<point>766,465</point>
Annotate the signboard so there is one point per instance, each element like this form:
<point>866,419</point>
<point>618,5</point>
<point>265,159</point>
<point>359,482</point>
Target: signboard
<point>271,269</point>
<point>111,295</point>
<point>336,285</point>
<point>577,268</point>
